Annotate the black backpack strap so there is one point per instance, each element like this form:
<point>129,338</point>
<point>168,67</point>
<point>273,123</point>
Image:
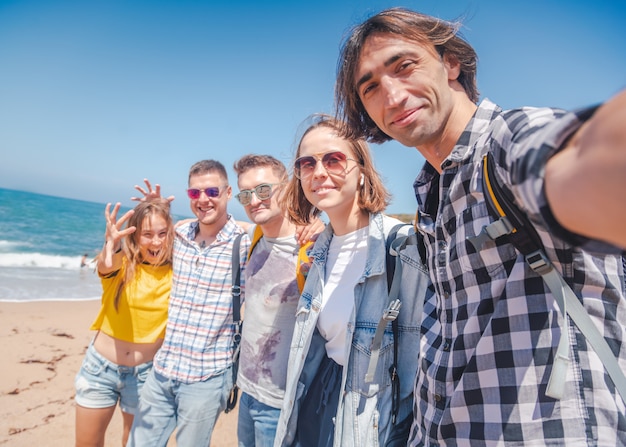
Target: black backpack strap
<point>390,313</point>
<point>513,224</point>
<point>509,222</point>
<point>236,277</point>
<point>392,262</point>
<point>236,294</point>
<point>393,373</point>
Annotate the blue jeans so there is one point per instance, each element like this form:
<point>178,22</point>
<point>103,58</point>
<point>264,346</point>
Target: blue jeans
<point>316,420</point>
<point>101,383</point>
<point>256,424</point>
<point>190,408</point>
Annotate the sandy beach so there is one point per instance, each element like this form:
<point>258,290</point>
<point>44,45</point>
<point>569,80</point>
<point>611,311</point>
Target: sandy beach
<point>42,346</point>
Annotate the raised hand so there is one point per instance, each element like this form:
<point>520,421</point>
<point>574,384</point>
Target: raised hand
<point>149,193</point>
<point>113,236</point>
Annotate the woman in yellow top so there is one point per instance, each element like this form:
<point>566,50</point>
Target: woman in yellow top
<point>136,280</point>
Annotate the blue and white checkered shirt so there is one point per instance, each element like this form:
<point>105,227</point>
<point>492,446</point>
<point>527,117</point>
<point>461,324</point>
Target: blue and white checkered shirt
<point>199,334</point>
<point>491,331</point>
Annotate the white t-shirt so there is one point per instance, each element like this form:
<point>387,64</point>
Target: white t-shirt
<point>271,299</point>
<point>344,267</point>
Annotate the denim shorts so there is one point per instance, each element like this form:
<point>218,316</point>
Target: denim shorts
<point>101,383</point>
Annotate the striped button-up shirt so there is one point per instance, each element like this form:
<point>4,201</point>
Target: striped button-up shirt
<point>490,334</point>
<point>199,334</point>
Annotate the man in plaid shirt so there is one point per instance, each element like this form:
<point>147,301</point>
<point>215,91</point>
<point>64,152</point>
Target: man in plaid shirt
<point>191,379</point>
<point>491,332</point>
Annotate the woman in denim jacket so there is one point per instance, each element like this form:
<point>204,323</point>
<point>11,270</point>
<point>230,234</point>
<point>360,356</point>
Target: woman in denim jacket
<point>328,400</point>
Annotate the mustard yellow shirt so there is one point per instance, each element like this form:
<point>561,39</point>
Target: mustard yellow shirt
<point>142,309</point>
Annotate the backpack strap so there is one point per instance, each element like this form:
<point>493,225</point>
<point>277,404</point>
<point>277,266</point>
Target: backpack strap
<point>393,246</point>
<point>303,264</point>
<point>510,221</point>
<point>256,237</point>
<point>514,224</point>
<point>236,294</point>
<point>236,287</point>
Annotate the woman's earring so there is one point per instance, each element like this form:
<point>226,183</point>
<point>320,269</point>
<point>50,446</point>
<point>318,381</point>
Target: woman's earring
<point>362,180</point>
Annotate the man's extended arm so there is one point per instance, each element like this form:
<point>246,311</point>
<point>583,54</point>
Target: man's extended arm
<point>586,181</point>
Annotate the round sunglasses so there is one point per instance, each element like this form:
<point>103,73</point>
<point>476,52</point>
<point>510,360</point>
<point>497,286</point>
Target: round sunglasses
<point>334,163</point>
<point>262,191</point>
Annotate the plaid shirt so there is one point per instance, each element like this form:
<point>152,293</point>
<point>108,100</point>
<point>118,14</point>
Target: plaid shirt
<point>199,334</point>
<point>490,333</point>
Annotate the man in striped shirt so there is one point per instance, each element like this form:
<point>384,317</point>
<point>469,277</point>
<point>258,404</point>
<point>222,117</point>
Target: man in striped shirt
<point>191,379</point>
<point>490,335</point>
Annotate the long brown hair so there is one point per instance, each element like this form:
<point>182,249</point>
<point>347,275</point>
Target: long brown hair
<point>430,32</point>
<point>132,252</point>
<point>373,196</point>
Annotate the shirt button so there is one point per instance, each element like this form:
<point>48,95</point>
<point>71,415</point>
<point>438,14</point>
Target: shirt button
<point>446,346</point>
<point>438,397</point>
<point>441,258</point>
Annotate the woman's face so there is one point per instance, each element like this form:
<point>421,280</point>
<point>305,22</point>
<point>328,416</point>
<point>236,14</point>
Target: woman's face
<point>152,239</point>
<point>330,179</point>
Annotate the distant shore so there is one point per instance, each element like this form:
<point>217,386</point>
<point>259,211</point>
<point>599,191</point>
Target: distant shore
<point>42,344</point>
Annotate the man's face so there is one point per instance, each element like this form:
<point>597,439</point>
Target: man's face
<point>262,211</point>
<point>210,210</point>
<point>405,89</point>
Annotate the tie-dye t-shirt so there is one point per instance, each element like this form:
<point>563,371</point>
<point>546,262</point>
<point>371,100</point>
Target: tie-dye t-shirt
<point>271,298</point>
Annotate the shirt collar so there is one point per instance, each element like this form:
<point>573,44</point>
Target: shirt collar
<point>227,232</point>
<point>477,125</point>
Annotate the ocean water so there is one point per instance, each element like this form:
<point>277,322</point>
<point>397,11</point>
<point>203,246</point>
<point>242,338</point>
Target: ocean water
<point>42,241</point>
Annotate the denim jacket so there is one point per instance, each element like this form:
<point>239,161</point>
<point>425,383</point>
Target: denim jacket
<point>364,410</point>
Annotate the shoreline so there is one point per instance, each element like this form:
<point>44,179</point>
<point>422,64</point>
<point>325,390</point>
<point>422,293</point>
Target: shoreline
<point>47,300</point>
<point>42,344</point>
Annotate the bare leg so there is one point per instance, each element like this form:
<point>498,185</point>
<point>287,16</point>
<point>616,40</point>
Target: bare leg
<point>91,425</point>
<point>128,422</point>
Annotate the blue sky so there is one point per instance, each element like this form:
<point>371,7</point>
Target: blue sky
<point>96,95</point>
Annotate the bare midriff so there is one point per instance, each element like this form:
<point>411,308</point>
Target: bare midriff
<point>125,353</point>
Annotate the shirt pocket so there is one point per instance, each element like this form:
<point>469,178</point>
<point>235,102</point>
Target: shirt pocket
<point>488,260</point>
<point>361,354</point>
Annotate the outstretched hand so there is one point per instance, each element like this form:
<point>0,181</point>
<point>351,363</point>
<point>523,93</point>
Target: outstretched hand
<point>114,234</point>
<point>149,193</point>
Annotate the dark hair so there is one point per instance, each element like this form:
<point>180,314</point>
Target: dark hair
<point>373,196</point>
<point>430,32</point>
<point>206,166</point>
<point>132,252</point>
<point>252,161</point>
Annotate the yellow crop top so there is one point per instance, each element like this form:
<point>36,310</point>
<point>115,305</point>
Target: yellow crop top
<point>142,309</point>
